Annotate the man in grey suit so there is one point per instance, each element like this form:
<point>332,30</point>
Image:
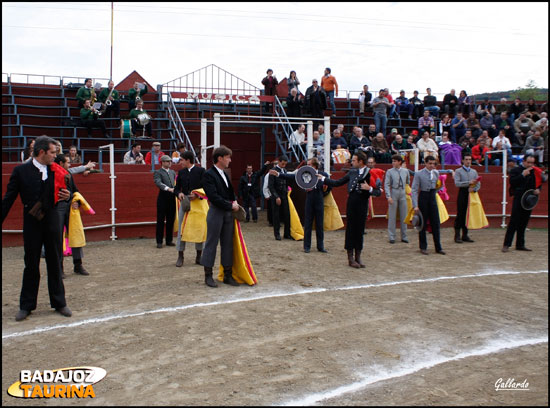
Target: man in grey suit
<point>219,220</point>
<point>394,186</point>
<point>423,200</point>
<point>466,180</point>
<point>165,179</point>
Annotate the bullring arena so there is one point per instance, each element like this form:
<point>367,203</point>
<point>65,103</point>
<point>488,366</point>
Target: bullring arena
<point>407,330</point>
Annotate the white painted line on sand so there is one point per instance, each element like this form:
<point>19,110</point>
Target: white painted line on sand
<point>253,298</point>
<point>492,347</point>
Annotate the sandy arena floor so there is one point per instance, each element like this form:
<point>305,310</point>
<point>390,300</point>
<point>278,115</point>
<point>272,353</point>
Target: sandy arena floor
<point>407,330</point>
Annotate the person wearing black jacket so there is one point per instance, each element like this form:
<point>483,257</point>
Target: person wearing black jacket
<point>279,200</point>
<point>34,181</point>
<point>249,190</point>
<point>316,100</point>
<point>450,103</point>
<point>522,178</point>
<point>189,179</point>
<point>294,105</point>
<point>219,221</point>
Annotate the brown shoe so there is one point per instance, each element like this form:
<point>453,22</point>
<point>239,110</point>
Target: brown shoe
<point>424,252</point>
<point>179,262</point>
<point>352,261</point>
<point>65,311</point>
<point>505,248</point>
<point>358,258</point>
<point>22,315</point>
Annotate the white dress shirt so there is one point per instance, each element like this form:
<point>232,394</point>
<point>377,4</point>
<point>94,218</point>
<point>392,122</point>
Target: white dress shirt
<point>42,167</point>
<point>222,173</point>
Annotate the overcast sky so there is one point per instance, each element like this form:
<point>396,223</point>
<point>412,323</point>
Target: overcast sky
<point>479,47</point>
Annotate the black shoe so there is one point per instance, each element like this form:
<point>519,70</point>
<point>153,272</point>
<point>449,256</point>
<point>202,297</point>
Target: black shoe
<point>255,220</point>
<point>523,249</point>
<point>287,237</point>
<point>159,245</point>
<point>322,250</point>
<point>406,241</point>
<point>424,252</point>
<point>79,269</point>
<point>467,239</point>
<point>65,311</point>
<point>228,279</point>
<point>210,282</point>
<point>278,237</point>
<point>22,315</point>
<point>441,252</point>
<point>505,248</point>
<point>307,250</point>
<point>392,241</point>
<point>170,244</point>
<point>179,262</point>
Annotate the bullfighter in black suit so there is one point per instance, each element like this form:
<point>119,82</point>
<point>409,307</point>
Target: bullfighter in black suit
<point>249,190</point>
<point>279,200</point>
<point>165,179</point>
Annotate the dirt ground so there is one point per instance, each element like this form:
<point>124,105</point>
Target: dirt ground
<point>407,330</point>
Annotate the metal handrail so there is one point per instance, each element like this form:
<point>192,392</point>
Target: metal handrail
<point>177,124</point>
<point>287,129</point>
<point>58,78</point>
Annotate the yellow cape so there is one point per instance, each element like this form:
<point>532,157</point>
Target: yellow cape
<point>410,209</point>
<point>193,224</point>
<point>443,214</point>
<point>475,215</point>
<point>296,229</point>
<point>332,220</point>
<point>242,270</point>
<point>76,229</point>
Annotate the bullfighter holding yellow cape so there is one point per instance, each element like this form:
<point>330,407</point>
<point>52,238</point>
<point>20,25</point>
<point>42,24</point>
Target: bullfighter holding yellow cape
<point>242,270</point>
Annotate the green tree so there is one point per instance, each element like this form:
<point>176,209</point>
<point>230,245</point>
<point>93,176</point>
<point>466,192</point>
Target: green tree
<point>531,90</point>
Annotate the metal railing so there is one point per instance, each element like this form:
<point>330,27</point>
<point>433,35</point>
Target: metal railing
<point>287,131</point>
<point>177,124</point>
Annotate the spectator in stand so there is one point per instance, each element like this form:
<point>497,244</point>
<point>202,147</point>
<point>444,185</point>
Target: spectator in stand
<point>458,127</point>
<point>400,144</point>
<point>532,110</point>
<point>316,100</point>
<point>28,153</point>
<point>534,146</point>
<point>298,137</point>
<point>391,137</point>
<point>465,145</point>
<point>391,110</point>
<point>498,156</point>
<point>430,103</point>
<point>445,124</point>
<point>177,154</point>
<point>112,110</point>
<point>84,93</point>
<point>427,146</point>
<point>487,123</point>
<point>485,136</point>
<point>543,121</point>
<point>321,129</point>
<point>402,104</point>
<point>293,82</point>
<point>478,152</point>
<point>358,140</point>
<point>294,104</point>
<point>524,127</point>
<point>371,132</point>
<point>504,122</point>
<point>473,124</point>
<point>418,106</point>
<point>329,84</point>
<point>450,103</point>
<point>451,151</point>
<point>270,88</point>
<point>345,135</point>
<point>544,107</point>
<point>504,142</point>
<point>379,106</point>
<point>501,107</point>
<point>381,149</point>
<point>426,122</point>
<point>464,103</point>
<point>136,125</point>
<point>484,108</point>
<point>338,141</point>
<point>339,148</point>
<point>134,156</point>
<point>515,109</point>
<point>365,98</point>
<point>154,154</point>
<point>135,94</point>
<point>318,147</point>
<point>89,119</point>
<point>73,156</point>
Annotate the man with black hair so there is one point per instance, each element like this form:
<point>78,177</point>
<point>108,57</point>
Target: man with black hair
<point>329,84</point>
<point>466,179</point>
<point>249,190</point>
<point>279,200</point>
<point>165,179</point>
<point>34,181</point>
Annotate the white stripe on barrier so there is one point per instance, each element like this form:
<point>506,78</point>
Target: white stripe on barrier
<point>256,297</point>
<point>493,347</point>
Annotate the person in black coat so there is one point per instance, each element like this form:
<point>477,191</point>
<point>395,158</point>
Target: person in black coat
<point>165,179</point>
<point>279,200</point>
<point>219,221</point>
<point>522,178</point>
<point>359,191</point>
<point>189,179</point>
<point>249,190</point>
<point>34,182</point>
<point>294,105</point>
<point>316,100</point>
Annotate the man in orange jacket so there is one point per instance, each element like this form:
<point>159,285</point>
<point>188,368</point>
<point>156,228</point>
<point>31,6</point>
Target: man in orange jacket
<point>329,84</point>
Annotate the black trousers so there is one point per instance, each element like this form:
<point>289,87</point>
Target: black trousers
<point>94,123</point>
<point>461,209</point>
<point>166,209</point>
<point>35,234</point>
<point>136,127</point>
<point>250,202</point>
<point>428,207</point>
<point>269,212</point>
<point>357,209</point>
<point>113,111</point>
<point>280,213</point>
<point>314,210</point>
<point>518,223</point>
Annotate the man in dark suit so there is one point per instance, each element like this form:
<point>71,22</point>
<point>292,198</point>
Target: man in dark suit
<point>219,221</point>
<point>522,178</point>
<point>357,207</point>
<point>249,190</point>
<point>189,179</point>
<point>165,179</point>
<point>34,181</point>
<point>279,200</point>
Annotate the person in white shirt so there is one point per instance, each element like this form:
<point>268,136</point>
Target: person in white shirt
<point>427,146</point>
<point>504,140</point>
<point>298,137</point>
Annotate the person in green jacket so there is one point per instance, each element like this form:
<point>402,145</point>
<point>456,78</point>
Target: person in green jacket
<point>134,92</point>
<point>135,124</point>
<point>84,92</point>
<point>112,110</point>
<point>89,118</point>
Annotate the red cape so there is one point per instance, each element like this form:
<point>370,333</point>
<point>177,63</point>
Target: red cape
<point>59,179</point>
